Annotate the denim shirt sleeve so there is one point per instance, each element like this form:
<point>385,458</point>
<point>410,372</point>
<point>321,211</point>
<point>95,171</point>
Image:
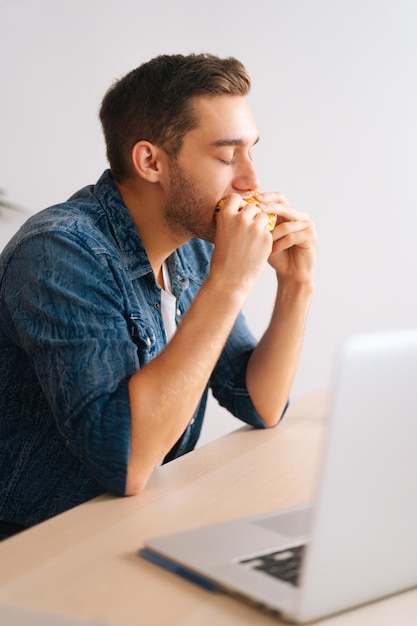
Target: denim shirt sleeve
<point>68,311</point>
<point>228,380</point>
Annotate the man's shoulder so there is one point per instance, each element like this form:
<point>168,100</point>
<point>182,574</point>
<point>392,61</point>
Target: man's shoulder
<point>66,220</point>
<point>81,217</point>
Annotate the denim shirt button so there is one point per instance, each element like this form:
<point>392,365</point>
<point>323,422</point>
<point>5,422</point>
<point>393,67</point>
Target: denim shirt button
<point>178,312</point>
<point>148,342</point>
<point>157,306</point>
<point>192,421</point>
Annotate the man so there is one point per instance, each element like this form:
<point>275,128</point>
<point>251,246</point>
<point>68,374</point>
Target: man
<point>121,306</point>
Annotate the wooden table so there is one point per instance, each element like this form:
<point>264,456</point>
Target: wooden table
<point>84,563</point>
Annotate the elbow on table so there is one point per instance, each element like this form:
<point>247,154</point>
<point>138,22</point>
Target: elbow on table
<point>276,419</point>
<point>136,481</point>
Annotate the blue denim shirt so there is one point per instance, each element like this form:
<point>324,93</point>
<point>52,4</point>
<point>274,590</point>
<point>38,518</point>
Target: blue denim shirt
<point>80,312</point>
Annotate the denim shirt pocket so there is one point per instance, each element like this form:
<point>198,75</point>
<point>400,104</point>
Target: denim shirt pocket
<point>143,336</point>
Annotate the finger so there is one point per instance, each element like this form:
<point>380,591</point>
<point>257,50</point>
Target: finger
<point>272,196</point>
<point>256,199</point>
<point>242,213</point>
<point>276,202</point>
<point>229,204</point>
<point>288,213</point>
<point>263,220</point>
<point>289,234</point>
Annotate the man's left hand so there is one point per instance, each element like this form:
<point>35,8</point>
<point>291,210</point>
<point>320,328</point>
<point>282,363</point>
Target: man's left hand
<point>294,249</point>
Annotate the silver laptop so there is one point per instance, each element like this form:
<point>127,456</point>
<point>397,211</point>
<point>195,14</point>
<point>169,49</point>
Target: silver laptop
<point>358,541</point>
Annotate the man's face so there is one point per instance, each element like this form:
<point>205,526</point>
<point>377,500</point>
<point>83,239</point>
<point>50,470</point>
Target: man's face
<point>215,161</point>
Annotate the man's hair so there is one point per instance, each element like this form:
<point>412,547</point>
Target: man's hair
<point>154,103</point>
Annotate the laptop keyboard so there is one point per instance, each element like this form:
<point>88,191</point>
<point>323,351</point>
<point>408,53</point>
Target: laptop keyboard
<point>284,564</point>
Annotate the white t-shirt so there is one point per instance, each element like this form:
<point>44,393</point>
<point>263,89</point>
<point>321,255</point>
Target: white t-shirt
<point>168,305</point>
<point>168,308</point>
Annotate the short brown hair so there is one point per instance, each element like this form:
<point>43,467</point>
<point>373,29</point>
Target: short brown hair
<point>154,102</point>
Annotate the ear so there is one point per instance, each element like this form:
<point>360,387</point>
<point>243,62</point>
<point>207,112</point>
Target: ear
<point>147,161</point>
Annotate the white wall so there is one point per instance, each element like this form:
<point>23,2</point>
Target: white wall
<point>335,98</point>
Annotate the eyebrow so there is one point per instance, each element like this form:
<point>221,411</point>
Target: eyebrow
<point>232,142</point>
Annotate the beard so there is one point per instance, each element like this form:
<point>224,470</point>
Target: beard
<point>187,212</point>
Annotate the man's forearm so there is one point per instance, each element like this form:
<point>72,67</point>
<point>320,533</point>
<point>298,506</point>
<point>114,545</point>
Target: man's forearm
<point>272,366</point>
<point>165,393</point>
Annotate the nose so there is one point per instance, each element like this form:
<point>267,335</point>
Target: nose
<point>247,178</point>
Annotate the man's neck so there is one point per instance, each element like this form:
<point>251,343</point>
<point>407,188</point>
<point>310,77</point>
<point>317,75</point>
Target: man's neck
<point>148,216</point>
